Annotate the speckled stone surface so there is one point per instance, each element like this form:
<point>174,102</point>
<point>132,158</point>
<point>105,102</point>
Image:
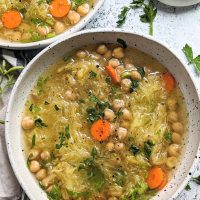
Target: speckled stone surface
<point>173,26</point>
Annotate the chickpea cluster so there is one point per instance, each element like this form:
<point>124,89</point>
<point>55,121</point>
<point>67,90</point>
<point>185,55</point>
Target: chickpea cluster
<point>35,156</point>
<point>178,129</point>
<point>121,131</point>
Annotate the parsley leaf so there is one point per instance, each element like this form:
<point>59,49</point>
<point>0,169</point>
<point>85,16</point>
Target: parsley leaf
<point>196,179</point>
<point>134,149</point>
<point>2,122</point>
<point>149,15</point>
<point>76,3</point>
<point>55,193</point>
<point>34,108</point>
<point>168,136</point>
<point>187,187</point>
<point>189,55</point>
<point>141,71</point>
<point>134,85</point>
<point>119,177</point>
<point>92,74</point>
<point>46,103</point>
<point>77,194</point>
<point>122,42</point>
<point>148,145</point>
<point>39,123</point>
<point>56,107</point>
<point>33,141</point>
<point>63,136</point>
<point>94,152</point>
<point>67,132</point>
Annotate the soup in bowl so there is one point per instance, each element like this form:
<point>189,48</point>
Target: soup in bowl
<point>103,121</point>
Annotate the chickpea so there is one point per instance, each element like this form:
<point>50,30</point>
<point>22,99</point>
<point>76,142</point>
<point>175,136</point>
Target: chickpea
<point>81,54</point>
<point>171,162</point>
<point>172,117</point>
<point>24,27</point>
<point>59,27</point>
<point>16,36</point>
<point>27,123</point>
<point>176,138</point>
<point>34,154</point>
<point>120,69</point>
<point>43,30</point>
<point>119,146</point>
<point>135,75</point>
<point>45,155</point>
<point>113,62</point>
<point>34,166</point>
<point>83,9</point>
<point>118,53</point>
<point>96,56</point>
<point>130,66</point>
<point>109,115</point>
<point>115,191</point>
<point>125,124</point>
<point>69,95</point>
<point>126,84</point>
<point>117,104</point>
<point>110,146</point>
<point>102,49</point>
<point>178,127</point>
<point>126,114</point>
<point>172,104</point>
<point>121,133</point>
<point>26,36</point>
<point>41,174</point>
<point>108,54</point>
<point>113,129</point>
<point>73,17</point>
<point>46,182</point>
<point>173,150</point>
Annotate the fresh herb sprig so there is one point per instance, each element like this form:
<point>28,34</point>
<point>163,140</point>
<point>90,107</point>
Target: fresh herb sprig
<point>7,78</point>
<point>149,15</point>
<point>187,50</point>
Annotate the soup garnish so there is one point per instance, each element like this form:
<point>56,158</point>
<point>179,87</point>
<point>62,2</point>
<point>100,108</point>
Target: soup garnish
<point>104,123</point>
<point>29,21</point>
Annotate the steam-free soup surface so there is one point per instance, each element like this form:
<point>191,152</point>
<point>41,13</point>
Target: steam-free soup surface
<point>33,20</point>
<point>104,123</point>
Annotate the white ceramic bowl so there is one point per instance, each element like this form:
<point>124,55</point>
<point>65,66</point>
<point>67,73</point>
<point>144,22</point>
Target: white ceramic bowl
<point>180,3</point>
<point>43,43</point>
<point>55,52</point>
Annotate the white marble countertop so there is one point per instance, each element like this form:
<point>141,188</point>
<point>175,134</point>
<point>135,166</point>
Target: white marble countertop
<point>174,26</point>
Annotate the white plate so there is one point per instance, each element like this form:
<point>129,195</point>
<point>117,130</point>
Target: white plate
<point>180,3</point>
<point>56,51</point>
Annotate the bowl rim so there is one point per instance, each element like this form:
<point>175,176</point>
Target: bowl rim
<point>179,3</point>
<point>98,30</point>
<point>44,43</point>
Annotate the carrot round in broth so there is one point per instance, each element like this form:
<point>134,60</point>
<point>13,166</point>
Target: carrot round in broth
<point>100,130</point>
<point>155,177</point>
<point>164,182</point>
<point>60,8</point>
<point>11,19</point>
<point>169,81</point>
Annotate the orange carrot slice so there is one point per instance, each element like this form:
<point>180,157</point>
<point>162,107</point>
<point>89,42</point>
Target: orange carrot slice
<point>100,130</point>
<point>155,177</point>
<point>113,74</point>
<point>164,182</point>
<point>11,19</point>
<point>169,81</point>
<point>60,8</point>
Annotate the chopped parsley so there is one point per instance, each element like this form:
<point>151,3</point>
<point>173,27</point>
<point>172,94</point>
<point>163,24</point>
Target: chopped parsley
<point>34,108</point>
<point>46,103</point>
<point>39,123</point>
<point>63,136</point>
<point>40,85</point>
<point>168,136</point>
<point>148,145</point>
<point>92,74</point>
<point>134,149</point>
<point>56,107</point>
<point>33,141</point>
<point>187,187</point>
<point>122,42</point>
<point>77,194</point>
<point>55,193</point>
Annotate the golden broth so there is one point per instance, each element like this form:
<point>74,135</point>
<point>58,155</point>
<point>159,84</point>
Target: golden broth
<point>74,93</point>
